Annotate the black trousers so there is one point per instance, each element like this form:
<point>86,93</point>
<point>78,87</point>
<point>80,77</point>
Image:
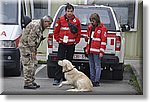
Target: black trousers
<point>64,52</point>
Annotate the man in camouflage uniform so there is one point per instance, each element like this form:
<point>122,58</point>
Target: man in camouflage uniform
<point>29,42</point>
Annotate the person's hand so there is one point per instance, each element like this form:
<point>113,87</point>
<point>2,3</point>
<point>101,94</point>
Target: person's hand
<point>100,55</point>
<point>33,56</point>
<point>86,38</point>
<point>59,41</point>
<point>42,38</point>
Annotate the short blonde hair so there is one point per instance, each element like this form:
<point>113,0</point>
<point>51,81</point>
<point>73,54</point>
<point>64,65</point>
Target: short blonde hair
<point>47,18</point>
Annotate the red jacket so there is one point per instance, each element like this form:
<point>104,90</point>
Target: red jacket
<point>62,33</point>
<point>98,39</point>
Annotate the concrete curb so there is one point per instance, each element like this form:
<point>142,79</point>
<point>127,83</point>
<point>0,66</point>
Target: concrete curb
<point>137,68</point>
<point>139,77</point>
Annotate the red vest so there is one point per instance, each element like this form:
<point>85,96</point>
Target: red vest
<point>62,33</point>
<point>97,44</point>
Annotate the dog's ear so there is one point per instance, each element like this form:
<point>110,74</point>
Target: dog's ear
<point>60,62</point>
<point>69,65</point>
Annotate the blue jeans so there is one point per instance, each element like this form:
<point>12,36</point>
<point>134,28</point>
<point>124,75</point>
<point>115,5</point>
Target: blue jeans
<point>95,67</point>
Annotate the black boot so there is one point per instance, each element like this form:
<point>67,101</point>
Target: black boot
<point>35,84</point>
<point>30,87</point>
<point>95,84</point>
<point>56,82</point>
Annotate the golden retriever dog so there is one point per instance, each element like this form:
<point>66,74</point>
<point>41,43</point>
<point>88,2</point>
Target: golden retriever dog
<point>75,78</point>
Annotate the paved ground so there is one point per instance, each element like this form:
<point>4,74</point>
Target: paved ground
<point>14,86</point>
<point>115,88</point>
<point>137,67</point>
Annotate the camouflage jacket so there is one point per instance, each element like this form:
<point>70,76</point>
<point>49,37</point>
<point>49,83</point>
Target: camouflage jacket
<point>32,35</point>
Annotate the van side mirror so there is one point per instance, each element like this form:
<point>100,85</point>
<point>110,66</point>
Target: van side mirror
<point>125,27</point>
<point>26,21</point>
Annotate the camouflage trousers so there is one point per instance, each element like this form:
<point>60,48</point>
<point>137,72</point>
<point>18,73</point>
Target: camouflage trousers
<point>29,66</point>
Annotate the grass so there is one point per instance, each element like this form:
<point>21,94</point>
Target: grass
<point>42,62</point>
<point>133,80</point>
<point>127,68</point>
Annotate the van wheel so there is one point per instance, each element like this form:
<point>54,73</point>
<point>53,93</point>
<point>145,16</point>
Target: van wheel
<point>117,71</point>
<point>17,72</point>
<point>51,71</point>
<point>106,74</point>
<point>117,75</point>
<point>21,68</point>
<point>117,66</point>
<point>13,73</point>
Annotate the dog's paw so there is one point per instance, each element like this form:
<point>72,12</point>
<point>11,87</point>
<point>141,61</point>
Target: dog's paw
<point>60,85</point>
<point>73,90</point>
<point>72,87</point>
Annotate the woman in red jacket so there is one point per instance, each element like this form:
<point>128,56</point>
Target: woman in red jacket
<point>96,44</point>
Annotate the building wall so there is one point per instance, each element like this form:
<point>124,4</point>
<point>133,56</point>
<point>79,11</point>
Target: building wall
<point>134,47</point>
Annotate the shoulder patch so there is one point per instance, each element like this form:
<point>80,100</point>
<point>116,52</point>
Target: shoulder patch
<point>74,20</point>
<point>99,31</point>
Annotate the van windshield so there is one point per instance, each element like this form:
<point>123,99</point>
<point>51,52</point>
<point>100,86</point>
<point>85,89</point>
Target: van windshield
<point>8,12</point>
<point>83,13</point>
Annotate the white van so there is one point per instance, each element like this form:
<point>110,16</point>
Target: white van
<point>12,22</point>
<point>113,59</point>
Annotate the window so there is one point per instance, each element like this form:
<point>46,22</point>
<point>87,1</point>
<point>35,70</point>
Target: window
<point>83,13</point>
<point>126,11</point>
<point>40,8</point>
<point>23,8</point>
<point>9,12</point>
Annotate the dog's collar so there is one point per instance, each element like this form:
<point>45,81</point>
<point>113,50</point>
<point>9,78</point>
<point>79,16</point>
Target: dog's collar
<point>68,70</point>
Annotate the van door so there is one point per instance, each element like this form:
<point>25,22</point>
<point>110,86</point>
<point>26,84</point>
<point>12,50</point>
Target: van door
<point>11,24</point>
<point>10,33</point>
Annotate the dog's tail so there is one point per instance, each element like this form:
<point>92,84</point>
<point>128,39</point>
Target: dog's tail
<point>76,90</point>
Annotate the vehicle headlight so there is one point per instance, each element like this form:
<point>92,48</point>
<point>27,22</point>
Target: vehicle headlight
<point>7,44</point>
